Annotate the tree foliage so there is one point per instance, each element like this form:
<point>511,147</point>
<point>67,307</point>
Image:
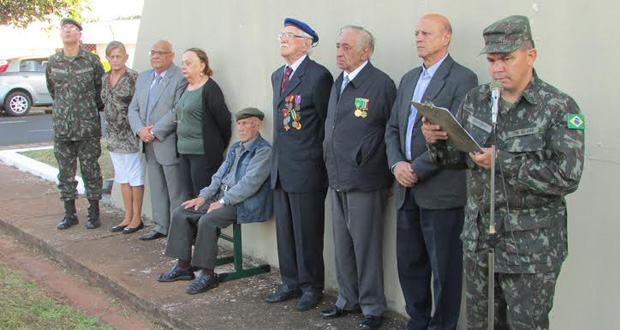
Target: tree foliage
<point>21,13</point>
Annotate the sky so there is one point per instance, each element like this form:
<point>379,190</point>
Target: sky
<point>104,10</point>
<point>34,42</point>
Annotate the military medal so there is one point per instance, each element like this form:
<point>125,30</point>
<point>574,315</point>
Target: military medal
<point>286,112</point>
<point>291,112</point>
<point>361,107</point>
<point>297,102</point>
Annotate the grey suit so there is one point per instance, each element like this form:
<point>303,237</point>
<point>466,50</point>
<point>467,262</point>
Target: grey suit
<point>162,160</point>
<point>430,214</point>
<point>447,89</point>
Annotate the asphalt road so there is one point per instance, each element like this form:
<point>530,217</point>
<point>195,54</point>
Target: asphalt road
<point>33,128</point>
<point>36,127</point>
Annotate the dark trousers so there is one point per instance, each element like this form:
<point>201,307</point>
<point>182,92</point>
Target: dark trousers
<point>428,243</point>
<point>300,224</point>
<point>187,223</point>
<point>195,174</point>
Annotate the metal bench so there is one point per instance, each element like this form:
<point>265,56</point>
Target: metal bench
<point>237,259</point>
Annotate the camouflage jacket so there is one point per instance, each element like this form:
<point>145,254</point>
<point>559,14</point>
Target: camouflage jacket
<point>75,86</point>
<point>540,160</point>
<point>116,100</point>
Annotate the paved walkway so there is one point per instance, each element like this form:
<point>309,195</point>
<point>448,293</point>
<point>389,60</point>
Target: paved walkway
<point>126,268</point>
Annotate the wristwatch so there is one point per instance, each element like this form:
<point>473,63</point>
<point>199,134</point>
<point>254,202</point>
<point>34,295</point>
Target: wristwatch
<point>222,201</point>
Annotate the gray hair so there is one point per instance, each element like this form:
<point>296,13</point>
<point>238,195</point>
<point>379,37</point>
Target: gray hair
<point>366,38</point>
<point>115,45</point>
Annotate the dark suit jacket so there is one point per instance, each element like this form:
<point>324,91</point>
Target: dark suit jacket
<point>354,147</point>
<point>297,154</point>
<point>436,189</point>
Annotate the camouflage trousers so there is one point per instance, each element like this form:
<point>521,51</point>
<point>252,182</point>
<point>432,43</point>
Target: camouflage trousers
<point>67,153</point>
<point>522,301</point>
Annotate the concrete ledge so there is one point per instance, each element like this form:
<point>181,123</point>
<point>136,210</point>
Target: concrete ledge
<point>126,268</point>
<point>29,165</point>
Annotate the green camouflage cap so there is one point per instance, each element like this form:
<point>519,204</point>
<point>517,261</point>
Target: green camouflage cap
<point>68,20</point>
<point>249,112</point>
<point>506,35</point>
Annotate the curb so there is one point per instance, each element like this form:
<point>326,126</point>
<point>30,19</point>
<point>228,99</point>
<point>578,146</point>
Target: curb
<point>29,165</point>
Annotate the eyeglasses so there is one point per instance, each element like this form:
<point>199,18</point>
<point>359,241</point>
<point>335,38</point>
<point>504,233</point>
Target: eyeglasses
<point>69,27</point>
<point>288,35</point>
<point>158,52</point>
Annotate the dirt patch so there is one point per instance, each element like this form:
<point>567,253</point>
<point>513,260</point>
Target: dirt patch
<point>68,289</point>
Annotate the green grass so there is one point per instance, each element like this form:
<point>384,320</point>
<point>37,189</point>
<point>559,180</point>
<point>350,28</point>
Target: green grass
<point>25,306</point>
<point>47,156</point>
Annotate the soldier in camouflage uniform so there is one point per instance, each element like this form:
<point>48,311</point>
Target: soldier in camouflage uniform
<point>74,81</point>
<point>539,137</point>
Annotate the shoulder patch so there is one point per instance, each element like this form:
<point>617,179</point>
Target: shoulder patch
<point>576,121</point>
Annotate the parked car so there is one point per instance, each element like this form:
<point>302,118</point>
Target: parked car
<point>22,85</point>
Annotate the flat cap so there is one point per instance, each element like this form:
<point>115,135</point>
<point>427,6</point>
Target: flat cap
<point>302,26</point>
<point>68,20</point>
<point>506,35</point>
<point>249,112</point>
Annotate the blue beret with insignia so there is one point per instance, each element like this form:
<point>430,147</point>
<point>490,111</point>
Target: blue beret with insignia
<point>302,26</point>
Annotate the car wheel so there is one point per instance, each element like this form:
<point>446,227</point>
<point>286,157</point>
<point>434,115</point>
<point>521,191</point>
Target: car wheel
<point>17,104</point>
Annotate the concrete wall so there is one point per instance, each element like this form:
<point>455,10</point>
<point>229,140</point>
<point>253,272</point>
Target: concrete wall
<point>577,43</point>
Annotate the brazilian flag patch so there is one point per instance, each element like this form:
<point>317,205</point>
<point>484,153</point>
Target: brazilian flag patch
<point>576,121</point>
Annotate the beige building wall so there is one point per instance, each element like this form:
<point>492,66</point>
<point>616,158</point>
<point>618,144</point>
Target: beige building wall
<point>578,44</point>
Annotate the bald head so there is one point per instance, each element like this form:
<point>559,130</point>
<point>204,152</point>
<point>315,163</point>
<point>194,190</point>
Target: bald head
<point>439,19</point>
<point>433,33</point>
<point>161,56</point>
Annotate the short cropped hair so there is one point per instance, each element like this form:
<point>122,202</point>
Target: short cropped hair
<point>366,40</point>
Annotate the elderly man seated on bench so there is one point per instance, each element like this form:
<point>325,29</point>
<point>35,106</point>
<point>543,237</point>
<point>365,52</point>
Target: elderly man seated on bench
<point>239,192</point>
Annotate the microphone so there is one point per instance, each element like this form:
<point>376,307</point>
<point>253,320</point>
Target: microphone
<point>496,89</point>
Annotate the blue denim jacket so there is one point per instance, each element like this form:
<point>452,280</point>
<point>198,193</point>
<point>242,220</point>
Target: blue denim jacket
<point>252,194</point>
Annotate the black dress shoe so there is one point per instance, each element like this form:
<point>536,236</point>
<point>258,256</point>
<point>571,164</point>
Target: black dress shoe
<point>371,322</point>
<point>67,222</point>
<point>176,274</point>
<point>129,230</point>
<point>202,283</point>
<point>152,235</point>
<point>282,294</point>
<point>118,228</point>
<point>308,301</point>
<point>336,311</point>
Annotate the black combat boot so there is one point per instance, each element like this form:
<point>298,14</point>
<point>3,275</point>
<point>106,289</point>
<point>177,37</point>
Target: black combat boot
<point>93,214</point>
<point>70,218</point>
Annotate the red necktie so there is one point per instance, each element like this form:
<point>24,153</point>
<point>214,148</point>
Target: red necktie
<point>285,78</point>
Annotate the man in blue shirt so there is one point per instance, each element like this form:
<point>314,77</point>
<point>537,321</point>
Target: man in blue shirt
<point>429,200</point>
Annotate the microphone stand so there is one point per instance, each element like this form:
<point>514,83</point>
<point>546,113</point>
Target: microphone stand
<point>492,231</point>
<point>492,241</point>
